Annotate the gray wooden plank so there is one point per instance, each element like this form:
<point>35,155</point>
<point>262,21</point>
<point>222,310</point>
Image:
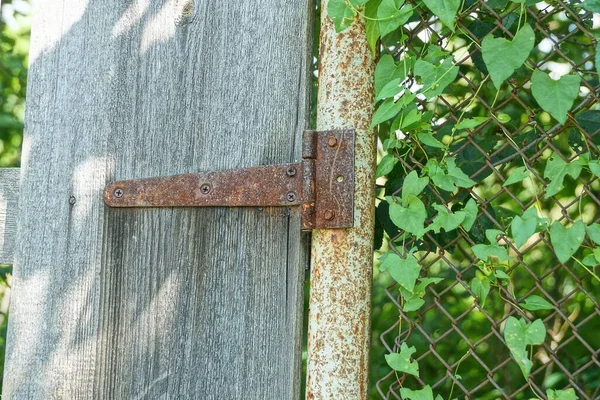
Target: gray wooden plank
<point>171,303</point>
<point>9,203</point>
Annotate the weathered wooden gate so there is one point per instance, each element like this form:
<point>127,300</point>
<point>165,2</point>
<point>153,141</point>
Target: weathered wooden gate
<point>158,303</point>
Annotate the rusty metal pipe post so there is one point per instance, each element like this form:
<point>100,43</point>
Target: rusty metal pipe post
<point>342,260</point>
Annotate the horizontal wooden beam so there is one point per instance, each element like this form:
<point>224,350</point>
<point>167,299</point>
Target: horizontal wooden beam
<point>9,206</point>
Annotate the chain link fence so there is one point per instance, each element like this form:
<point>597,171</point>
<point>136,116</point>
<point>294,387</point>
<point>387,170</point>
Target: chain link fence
<point>460,345</point>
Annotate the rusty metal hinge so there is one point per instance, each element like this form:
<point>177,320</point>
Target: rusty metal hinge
<point>322,185</point>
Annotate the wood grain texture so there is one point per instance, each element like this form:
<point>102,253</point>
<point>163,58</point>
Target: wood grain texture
<point>158,303</point>
<point>9,204</point>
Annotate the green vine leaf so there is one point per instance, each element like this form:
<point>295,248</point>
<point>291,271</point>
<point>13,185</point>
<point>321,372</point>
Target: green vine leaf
<point>566,241</point>
<point>526,2</point>
<point>428,140</point>
<point>597,58</point>
<point>594,166</point>
<point>387,70</point>
<point>341,14</point>
<point>371,25</point>
<point>435,78</point>
<point>592,260</point>
<point>445,219</point>
<point>451,180</point>
<point>591,5</point>
<point>459,178</point>
<point>485,251</point>
<point>414,300</point>
<point>593,232</point>
<point>386,165</point>
<point>405,271</point>
<point>589,120</point>
<point>410,217</point>
<point>500,274</point>
<point>481,288</point>
<point>413,185</point>
<point>470,123</point>
<point>390,90</point>
<point>518,334</point>
<point>408,117</point>
<point>470,211</point>
<point>424,394</point>
<point>516,175</point>
<point>535,303</point>
<point>401,361</point>
<point>445,10</point>
<point>556,170</point>
<point>522,227</point>
<point>568,394</point>
<point>502,57</point>
<point>392,14</point>
<point>555,97</point>
<point>387,110</point>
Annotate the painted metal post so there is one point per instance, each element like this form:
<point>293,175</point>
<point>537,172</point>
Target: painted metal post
<point>342,260</point>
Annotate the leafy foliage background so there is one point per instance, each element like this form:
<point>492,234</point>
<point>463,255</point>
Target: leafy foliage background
<point>488,203</point>
<point>14,47</point>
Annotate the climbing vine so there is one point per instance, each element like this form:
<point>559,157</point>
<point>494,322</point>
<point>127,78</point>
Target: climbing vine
<point>432,191</point>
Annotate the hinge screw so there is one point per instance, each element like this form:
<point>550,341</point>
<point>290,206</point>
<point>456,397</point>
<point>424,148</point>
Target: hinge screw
<point>332,141</point>
<point>329,215</point>
<point>291,196</point>
<point>118,193</point>
<point>291,171</point>
<point>205,188</point>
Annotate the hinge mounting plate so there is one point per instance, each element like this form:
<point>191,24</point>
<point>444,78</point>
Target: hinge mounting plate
<point>322,185</point>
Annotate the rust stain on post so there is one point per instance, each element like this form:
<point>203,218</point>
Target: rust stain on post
<point>342,260</point>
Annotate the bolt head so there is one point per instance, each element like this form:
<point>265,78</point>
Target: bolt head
<point>332,141</point>
<point>118,193</point>
<point>291,171</point>
<point>329,215</point>
<point>291,196</point>
<point>205,188</point>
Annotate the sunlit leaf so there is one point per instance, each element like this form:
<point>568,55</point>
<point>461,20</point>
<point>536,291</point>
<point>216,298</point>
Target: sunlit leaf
<point>470,211</point>
<point>435,78</point>
<point>446,219</point>
<point>341,14</point>
<point>566,241</point>
<point>387,110</point>
<point>502,57</point>
<point>405,271</point>
<point>424,394</point>
<point>392,14</point>
<point>518,334</point>
<point>534,303</point>
<point>555,96</point>
<point>556,170</point>
<point>593,232</point>
<point>410,217</point>
<point>445,10</point>
<point>481,288</point>
<point>523,227</point>
<point>568,394</point>
<point>401,361</point>
<point>516,175</point>
<point>385,165</point>
<point>413,185</point>
<point>470,123</point>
